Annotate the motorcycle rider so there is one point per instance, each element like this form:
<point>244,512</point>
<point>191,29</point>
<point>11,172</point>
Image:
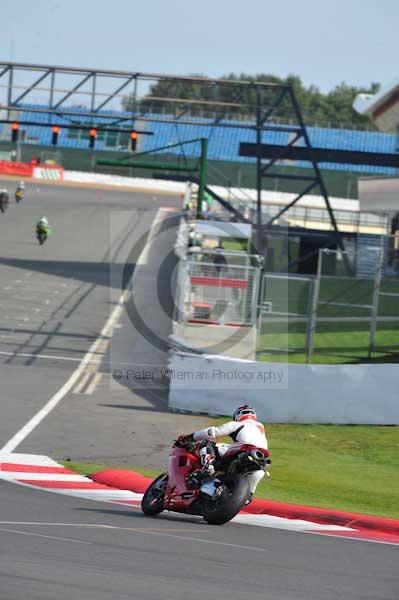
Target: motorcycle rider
<point>244,428</point>
<point>4,198</point>
<point>42,226</point>
<point>20,191</point>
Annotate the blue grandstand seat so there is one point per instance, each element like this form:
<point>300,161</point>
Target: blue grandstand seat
<point>223,142</point>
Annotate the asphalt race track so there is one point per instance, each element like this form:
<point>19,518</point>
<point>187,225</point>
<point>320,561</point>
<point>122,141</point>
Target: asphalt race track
<point>54,302</point>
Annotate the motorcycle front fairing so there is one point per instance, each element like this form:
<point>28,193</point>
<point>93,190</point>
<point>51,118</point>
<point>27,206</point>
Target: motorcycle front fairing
<point>177,495</point>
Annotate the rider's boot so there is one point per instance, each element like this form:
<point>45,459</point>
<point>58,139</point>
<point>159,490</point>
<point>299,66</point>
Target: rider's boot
<point>207,458</point>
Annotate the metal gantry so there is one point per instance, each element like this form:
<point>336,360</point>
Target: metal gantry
<point>260,107</point>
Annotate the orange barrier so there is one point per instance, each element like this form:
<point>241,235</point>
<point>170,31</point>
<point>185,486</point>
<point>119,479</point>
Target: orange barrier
<point>16,168</point>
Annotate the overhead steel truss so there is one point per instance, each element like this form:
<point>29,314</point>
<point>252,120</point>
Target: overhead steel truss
<point>247,105</point>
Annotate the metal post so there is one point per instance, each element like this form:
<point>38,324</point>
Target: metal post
<point>92,161</point>
<point>320,180</point>
<point>256,274</point>
<point>134,103</point>
<point>177,306</point>
<point>52,85</point>
<point>259,302</point>
<point>93,92</point>
<point>376,298</point>
<point>313,315</point>
<point>259,124</point>
<point>10,84</point>
<point>202,176</point>
<point>18,153</point>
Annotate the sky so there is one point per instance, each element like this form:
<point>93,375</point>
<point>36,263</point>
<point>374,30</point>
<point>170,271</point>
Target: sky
<point>325,42</point>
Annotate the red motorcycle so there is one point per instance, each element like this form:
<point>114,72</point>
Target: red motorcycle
<point>186,489</point>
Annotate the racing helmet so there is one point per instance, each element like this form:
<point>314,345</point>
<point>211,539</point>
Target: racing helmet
<point>21,184</point>
<point>44,221</point>
<point>244,412</point>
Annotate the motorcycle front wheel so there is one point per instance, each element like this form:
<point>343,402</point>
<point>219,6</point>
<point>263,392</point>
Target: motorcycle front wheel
<point>229,503</point>
<point>152,502</point>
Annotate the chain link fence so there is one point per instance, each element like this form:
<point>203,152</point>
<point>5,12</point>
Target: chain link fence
<point>218,291</point>
<point>385,331</point>
<point>283,315</point>
<point>348,312</point>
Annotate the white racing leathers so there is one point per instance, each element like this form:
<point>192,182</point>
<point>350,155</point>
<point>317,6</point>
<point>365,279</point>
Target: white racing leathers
<point>246,431</point>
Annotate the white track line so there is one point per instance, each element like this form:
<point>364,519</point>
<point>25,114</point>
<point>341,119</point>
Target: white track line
<point>82,382</point>
<point>34,460</point>
<point>22,475</point>
<point>46,356</point>
<point>106,332</point>
<point>93,384</point>
<point>148,532</point>
<point>49,537</point>
<point>139,531</point>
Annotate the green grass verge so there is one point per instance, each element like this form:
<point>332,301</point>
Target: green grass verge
<point>333,343</point>
<point>337,341</point>
<point>351,468</point>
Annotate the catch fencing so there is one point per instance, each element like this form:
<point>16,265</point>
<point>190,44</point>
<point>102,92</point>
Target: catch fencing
<point>218,288</point>
<point>348,312</point>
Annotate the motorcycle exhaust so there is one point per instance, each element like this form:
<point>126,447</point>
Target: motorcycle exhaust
<point>257,455</point>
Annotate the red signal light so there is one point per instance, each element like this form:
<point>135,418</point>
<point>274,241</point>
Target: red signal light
<point>93,135</point>
<point>55,129</point>
<point>133,140</point>
<point>14,131</point>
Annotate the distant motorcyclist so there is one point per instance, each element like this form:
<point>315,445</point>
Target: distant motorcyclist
<point>4,199</point>
<point>43,230</point>
<point>20,191</point>
<point>244,428</point>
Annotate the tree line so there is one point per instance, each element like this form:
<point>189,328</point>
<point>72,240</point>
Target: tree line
<point>229,101</point>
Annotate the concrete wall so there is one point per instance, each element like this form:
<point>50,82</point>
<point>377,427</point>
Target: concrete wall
<point>339,183</point>
<point>351,394</point>
<point>237,342</point>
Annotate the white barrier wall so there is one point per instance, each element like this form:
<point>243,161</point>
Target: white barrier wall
<point>352,394</point>
<point>244,194</point>
<point>155,185</point>
<point>49,172</point>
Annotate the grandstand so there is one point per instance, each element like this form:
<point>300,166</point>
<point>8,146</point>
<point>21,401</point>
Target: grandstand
<point>223,141</point>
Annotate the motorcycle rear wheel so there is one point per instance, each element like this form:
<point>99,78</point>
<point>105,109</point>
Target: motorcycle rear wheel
<point>231,501</point>
<point>152,502</point>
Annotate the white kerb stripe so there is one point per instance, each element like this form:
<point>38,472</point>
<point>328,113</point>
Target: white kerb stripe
<point>23,475</point>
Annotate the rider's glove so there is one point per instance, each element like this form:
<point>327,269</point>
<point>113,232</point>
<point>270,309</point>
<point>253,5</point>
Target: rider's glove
<point>184,441</point>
